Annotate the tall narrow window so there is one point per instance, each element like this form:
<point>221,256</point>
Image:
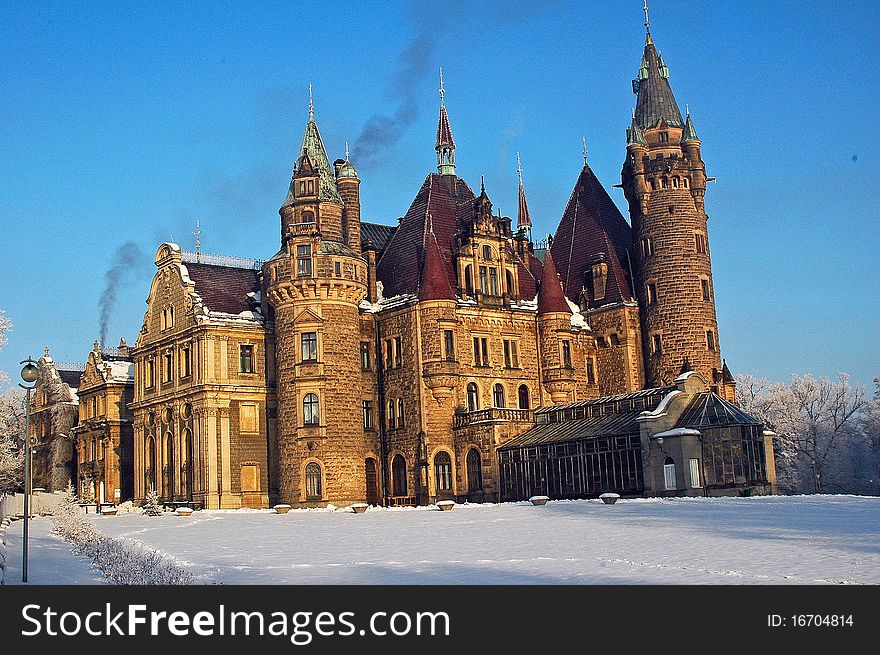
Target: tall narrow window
<point>694,465</point>
<point>307,217</point>
<point>313,481</point>
<point>185,362</point>
<point>508,279</point>
<point>389,354</point>
<point>473,397</point>
<point>647,247</point>
<point>507,360</point>
<point>524,397</point>
<point>311,184</point>
<point>591,371</point>
<point>487,253</point>
<point>652,293</point>
<point>664,137</point>
<point>477,351</point>
<point>246,359</point>
<point>700,241</point>
<point>391,410</point>
<point>368,415</point>
<point>398,475</point>
<point>498,395</point>
<point>443,472</point>
<point>566,353</point>
<point>167,372</point>
<point>365,355</point>
<point>311,415</point>
<point>449,345</point>
<point>474,471</point>
<point>309,344</point>
<point>704,285</point>
<point>303,260</point>
<point>400,423</point>
<point>398,352</point>
<point>710,340</point>
<point>468,281</point>
<point>493,282</point>
<point>150,373</point>
<point>484,351</point>
<point>484,280</point>
<point>669,474</point>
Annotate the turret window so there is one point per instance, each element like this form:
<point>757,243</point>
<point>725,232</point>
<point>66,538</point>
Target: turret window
<point>704,286</point>
<point>710,340</point>
<point>664,137</point>
<point>313,481</point>
<point>368,415</point>
<point>686,183</point>
<point>307,217</point>
<point>700,242</point>
<point>566,353</point>
<point>391,414</point>
<point>656,344</point>
<point>652,293</point>
<point>449,345</point>
<point>591,371</point>
<point>647,247</point>
<point>309,344</point>
<point>304,260</point>
<point>400,413</point>
<point>365,355</point>
<point>311,415</point>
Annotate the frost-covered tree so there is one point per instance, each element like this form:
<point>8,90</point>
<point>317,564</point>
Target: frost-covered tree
<point>152,506</point>
<point>817,421</point>
<point>5,326</point>
<point>12,420</point>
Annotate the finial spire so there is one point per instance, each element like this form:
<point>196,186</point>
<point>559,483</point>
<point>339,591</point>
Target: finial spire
<point>311,104</point>
<point>585,149</point>
<point>198,233</point>
<point>346,151</point>
<point>519,168</point>
<point>442,90</point>
<point>444,145</point>
<point>482,184</point>
<point>647,22</point>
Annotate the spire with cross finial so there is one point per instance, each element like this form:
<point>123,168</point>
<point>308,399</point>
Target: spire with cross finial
<point>523,220</point>
<point>346,151</point>
<point>311,104</point>
<point>647,22</point>
<point>585,149</point>
<point>444,144</point>
<point>198,235</point>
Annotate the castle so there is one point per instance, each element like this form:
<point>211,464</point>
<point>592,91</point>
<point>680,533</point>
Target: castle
<point>447,357</point>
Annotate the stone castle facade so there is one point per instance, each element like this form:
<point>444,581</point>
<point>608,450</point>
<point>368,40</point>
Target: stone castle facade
<point>448,357</point>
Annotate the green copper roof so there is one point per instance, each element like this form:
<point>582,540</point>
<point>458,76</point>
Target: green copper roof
<point>312,148</point>
<point>634,134</point>
<point>689,133</point>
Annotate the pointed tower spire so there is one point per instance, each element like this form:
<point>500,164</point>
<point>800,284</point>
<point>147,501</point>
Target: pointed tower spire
<point>444,144</point>
<point>655,99</point>
<point>634,133</point>
<point>311,104</point>
<point>689,133</point>
<point>550,296</point>
<point>434,283</point>
<point>523,220</point>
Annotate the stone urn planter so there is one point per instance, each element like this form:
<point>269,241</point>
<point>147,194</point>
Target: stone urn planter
<point>109,511</point>
<point>609,498</point>
<point>539,500</point>
<point>359,508</point>
<point>445,505</point>
<point>184,511</point>
<point>281,509</point>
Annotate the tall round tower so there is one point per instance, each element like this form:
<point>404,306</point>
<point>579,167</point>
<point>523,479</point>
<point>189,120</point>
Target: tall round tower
<point>315,284</point>
<point>664,180</point>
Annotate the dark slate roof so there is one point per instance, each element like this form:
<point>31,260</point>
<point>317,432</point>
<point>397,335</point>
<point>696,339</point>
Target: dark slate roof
<point>655,100</point>
<point>591,224</point>
<point>595,426</point>
<point>70,378</point>
<point>599,417</point>
<point>224,288</point>
<point>444,131</point>
<point>434,285</point>
<point>709,410</point>
<point>378,234</point>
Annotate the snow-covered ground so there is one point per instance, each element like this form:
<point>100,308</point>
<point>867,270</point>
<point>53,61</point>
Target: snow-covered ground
<point>766,540</point>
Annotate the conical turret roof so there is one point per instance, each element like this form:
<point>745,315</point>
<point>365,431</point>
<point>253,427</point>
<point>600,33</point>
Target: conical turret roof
<point>551,298</point>
<point>312,153</point>
<point>655,98</point>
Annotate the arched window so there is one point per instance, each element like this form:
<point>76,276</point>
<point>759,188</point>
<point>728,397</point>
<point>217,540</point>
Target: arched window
<point>473,397</point>
<point>443,473</point>
<point>524,397</point>
<point>168,468</point>
<point>313,481</point>
<point>398,475</point>
<point>474,471</point>
<point>150,470</point>
<point>468,280</point>
<point>391,414</point>
<point>508,278</point>
<point>310,409</point>
<point>307,217</point>
<point>186,465</point>
<point>487,252</point>
<point>498,395</point>
<point>400,412</point>
<point>93,450</point>
<point>669,474</point>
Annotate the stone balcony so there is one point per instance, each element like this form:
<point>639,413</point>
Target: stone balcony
<point>492,415</point>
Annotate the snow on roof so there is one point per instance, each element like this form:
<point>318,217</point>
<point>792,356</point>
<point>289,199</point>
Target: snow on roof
<point>684,376</point>
<point>119,371</point>
<point>577,319</point>
<point>677,432</point>
<point>660,410</point>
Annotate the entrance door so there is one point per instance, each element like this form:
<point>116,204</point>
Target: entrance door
<point>372,481</point>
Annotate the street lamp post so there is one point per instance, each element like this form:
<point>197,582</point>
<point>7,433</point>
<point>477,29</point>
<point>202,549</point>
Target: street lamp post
<point>29,374</point>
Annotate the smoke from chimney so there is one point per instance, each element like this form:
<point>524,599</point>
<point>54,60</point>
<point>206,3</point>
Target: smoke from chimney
<point>126,260</point>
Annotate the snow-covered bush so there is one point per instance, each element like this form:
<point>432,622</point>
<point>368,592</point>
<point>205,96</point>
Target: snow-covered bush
<point>121,561</point>
<point>128,507</point>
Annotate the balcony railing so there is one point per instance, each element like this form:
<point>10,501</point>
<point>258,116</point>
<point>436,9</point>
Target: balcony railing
<point>492,415</point>
<point>302,229</point>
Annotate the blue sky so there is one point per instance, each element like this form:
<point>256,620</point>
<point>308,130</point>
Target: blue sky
<point>130,121</point>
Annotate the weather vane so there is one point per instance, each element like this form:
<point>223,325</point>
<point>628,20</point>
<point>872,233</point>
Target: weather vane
<point>519,168</point>
<point>442,90</point>
<point>311,104</point>
<point>647,22</point>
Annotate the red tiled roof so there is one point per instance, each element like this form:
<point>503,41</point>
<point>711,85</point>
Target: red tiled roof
<point>522,210</point>
<point>592,224</point>
<point>444,131</point>
<point>224,288</point>
<point>550,296</point>
<point>434,284</point>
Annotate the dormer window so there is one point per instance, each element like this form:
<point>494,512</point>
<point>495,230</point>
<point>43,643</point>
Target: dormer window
<point>487,253</point>
<point>664,137</point>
